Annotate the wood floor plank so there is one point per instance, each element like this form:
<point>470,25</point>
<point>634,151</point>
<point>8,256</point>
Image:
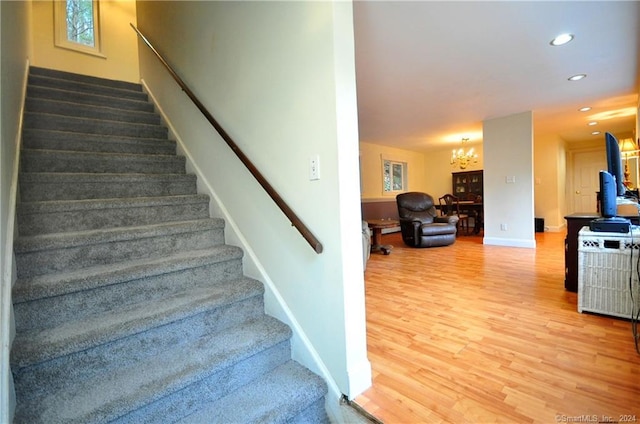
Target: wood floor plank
<point>487,334</point>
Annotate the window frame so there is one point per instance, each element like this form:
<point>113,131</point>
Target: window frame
<point>404,177</point>
<point>60,30</point>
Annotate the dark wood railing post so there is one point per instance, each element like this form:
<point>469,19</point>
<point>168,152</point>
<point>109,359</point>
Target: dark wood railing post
<point>295,221</point>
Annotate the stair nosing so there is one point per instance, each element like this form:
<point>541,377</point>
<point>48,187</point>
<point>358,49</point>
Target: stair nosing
<point>100,107</point>
<point>64,283</point>
<point>102,120</point>
<point>42,242</point>
<point>56,206</point>
<point>72,76</point>
<point>44,79</point>
<point>151,157</point>
<point>175,375</point>
<point>105,327</point>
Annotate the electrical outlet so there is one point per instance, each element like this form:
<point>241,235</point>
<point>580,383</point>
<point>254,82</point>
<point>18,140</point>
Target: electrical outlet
<point>503,227</point>
<point>314,168</point>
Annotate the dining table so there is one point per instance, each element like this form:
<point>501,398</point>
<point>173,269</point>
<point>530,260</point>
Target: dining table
<point>475,210</point>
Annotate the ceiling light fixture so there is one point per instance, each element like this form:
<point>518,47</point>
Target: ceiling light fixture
<point>584,109</point>
<point>592,123</point>
<point>462,158</point>
<point>577,77</point>
<point>595,133</point>
<point>561,39</point>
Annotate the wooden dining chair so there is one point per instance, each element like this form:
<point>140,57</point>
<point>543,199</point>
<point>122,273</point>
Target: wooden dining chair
<point>450,205</point>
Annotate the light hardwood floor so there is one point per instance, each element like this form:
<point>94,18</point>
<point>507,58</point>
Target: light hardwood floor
<point>486,334</point>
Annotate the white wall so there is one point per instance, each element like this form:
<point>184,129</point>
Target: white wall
<point>15,24</point>
<point>508,150</point>
<point>550,181</point>
<point>119,43</point>
<point>280,78</point>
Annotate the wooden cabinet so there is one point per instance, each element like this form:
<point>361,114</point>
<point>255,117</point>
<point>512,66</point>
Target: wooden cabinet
<point>465,183</point>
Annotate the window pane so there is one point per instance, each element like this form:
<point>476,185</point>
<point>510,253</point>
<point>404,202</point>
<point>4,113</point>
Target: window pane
<point>80,22</point>
<point>397,176</point>
<point>387,175</point>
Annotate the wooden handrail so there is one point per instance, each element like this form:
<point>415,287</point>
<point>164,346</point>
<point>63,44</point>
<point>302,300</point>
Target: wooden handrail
<point>295,221</point>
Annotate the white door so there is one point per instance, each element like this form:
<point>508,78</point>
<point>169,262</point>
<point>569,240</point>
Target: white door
<point>586,168</point>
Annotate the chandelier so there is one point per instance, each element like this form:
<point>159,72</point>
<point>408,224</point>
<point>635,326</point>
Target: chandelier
<point>463,157</point>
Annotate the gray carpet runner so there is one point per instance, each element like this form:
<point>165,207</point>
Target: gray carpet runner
<point>129,306</point>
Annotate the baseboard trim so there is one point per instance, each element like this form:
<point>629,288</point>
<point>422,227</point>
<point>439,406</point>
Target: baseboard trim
<point>496,241</point>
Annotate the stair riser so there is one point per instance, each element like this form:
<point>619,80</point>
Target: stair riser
<point>120,353</point>
<point>177,405</point>
<point>79,220</point>
<point>50,311</point>
<point>59,140</point>
<point>47,161</point>
<point>88,99</point>
<point>51,73</point>
<point>82,111</point>
<point>80,87</point>
<point>72,258</point>
<point>68,189</point>
<point>90,126</point>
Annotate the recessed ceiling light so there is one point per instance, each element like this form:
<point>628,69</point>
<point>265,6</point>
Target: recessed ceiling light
<point>592,123</point>
<point>595,133</point>
<point>585,109</point>
<point>561,39</point>
<point>577,77</point>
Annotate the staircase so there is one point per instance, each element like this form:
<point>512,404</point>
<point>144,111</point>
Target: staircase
<point>129,306</point>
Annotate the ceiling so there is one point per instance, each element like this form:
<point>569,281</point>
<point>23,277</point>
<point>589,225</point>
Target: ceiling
<point>430,72</point>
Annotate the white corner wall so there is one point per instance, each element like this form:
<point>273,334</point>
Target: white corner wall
<point>508,181</point>
<point>15,25</point>
<point>280,78</point>
<point>119,43</point>
<point>550,181</point>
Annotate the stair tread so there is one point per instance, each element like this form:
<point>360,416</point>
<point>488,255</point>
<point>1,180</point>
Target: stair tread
<point>106,397</point>
<point>50,206</point>
<point>102,138</point>
<point>36,80</point>
<point>82,238</point>
<point>72,76</point>
<point>57,284</point>
<point>34,346</point>
<point>82,118</point>
<point>90,176</point>
<point>82,155</point>
<point>67,107</point>
<point>274,397</point>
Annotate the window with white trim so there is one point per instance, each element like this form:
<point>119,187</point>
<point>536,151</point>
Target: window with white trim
<point>394,176</point>
<point>77,25</point>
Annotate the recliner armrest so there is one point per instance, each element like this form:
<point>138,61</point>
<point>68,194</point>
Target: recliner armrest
<point>452,219</point>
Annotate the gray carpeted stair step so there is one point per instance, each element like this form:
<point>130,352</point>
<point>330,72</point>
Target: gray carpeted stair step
<point>52,73</point>
<point>80,110</point>
<point>86,87</point>
<point>133,337</point>
<point>48,300</point>
<point>52,253</point>
<point>129,307</point>
<point>37,160</point>
<point>47,121</point>
<point>44,186</point>
<point>64,140</point>
<point>288,394</point>
<point>78,215</point>
<point>88,99</point>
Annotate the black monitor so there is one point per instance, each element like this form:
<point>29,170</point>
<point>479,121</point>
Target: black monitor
<point>614,163</point>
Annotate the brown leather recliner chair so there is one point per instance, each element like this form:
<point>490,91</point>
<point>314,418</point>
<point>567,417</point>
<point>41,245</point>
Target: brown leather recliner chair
<point>420,224</point>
